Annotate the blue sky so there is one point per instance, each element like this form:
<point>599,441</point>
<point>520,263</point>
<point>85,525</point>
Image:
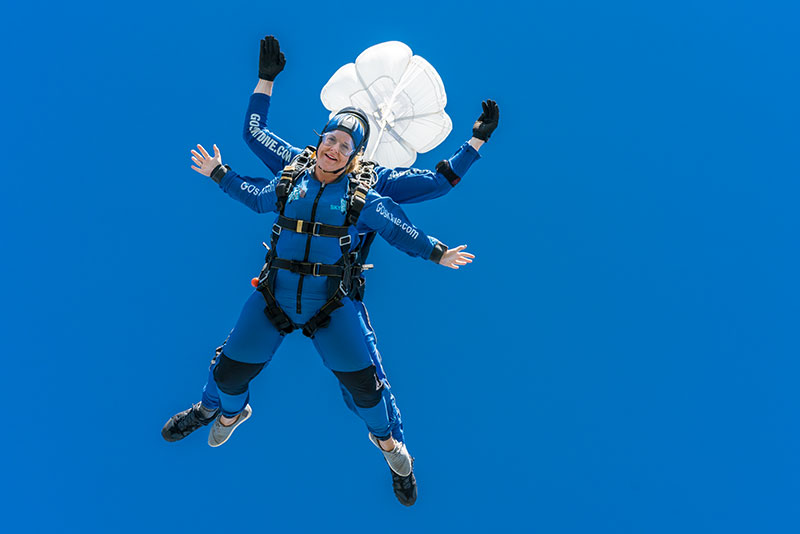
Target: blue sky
<point>621,357</point>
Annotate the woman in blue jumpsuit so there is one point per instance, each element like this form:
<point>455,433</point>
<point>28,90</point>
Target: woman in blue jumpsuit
<point>348,344</point>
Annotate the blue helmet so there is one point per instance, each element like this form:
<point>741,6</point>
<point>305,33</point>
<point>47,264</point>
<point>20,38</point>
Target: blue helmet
<point>353,122</point>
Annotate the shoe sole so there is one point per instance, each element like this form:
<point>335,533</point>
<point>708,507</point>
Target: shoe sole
<point>244,416</point>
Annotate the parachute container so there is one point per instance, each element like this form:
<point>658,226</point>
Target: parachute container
<point>403,97</point>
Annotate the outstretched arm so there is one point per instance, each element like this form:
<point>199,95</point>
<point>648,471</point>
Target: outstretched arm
<point>415,185</point>
<point>408,186</point>
<point>255,193</point>
<point>270,149</point>
<point>384,216</point>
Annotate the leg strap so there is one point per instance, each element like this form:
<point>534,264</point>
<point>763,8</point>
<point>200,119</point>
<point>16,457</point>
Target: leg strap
<point>273,311</point>
<point>322,318</point>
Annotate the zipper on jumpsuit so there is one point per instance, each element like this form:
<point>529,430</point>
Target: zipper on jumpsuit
<point>308,245</point>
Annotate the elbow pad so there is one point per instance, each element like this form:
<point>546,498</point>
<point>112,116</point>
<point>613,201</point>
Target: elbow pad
<point>444,168</point>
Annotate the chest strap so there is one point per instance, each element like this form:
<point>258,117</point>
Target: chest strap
<point>308,268</point>
<point>313,228</point>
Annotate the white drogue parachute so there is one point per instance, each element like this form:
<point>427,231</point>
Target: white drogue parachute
<point>403,97</point>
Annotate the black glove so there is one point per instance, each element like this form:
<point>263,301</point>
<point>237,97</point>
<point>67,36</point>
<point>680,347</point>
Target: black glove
<point>271,60</point>
<point>487,122</point>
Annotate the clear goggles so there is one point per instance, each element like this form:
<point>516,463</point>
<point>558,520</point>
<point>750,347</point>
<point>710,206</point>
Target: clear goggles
<point>345,148</point>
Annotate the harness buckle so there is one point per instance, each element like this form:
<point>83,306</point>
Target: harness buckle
<point>315,228</point>
<point>262,276</point>
<point>345,240</point>
<point>299,228</point>
<point>315,269</point>
<point>276,230</point>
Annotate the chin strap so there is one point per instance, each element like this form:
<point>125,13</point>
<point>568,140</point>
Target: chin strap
<point>332,172</point>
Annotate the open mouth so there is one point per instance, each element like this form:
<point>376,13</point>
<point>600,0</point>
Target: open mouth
<point>328,155</point>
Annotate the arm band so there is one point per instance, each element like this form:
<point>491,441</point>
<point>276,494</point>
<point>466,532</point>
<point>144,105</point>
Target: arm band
<point>219,172</point>
<point>438,251</point>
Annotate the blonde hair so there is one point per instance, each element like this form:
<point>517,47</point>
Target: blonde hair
<point>354,164</point>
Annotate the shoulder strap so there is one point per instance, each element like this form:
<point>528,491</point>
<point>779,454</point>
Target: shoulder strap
<point>361,181</point>
<point>302,162</point>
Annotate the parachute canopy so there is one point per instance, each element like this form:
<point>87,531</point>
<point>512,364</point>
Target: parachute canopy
<point>403,97</point>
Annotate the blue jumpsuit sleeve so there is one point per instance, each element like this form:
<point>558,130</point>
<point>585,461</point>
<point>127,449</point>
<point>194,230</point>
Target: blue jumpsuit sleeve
<point>271,149</point>
<point>259,198</point>
<point>383,215</point>
<point>408,185</point>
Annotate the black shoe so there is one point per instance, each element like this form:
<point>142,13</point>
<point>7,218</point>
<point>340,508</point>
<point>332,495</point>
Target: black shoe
<point>405,488</point>
<point>182,424</point>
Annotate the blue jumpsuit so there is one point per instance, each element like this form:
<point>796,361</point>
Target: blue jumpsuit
<point>402,185</point>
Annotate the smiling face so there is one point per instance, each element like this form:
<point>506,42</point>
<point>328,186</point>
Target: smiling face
<point>334,150</point>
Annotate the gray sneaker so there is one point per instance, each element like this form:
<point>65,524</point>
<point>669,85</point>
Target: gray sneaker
<point>398,459</point>
<point>220,433</point>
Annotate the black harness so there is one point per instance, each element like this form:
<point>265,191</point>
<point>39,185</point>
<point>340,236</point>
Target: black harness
<point>347,271</point>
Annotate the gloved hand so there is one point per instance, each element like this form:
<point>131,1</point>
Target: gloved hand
<point>487,122</point>
<point>271,60</point>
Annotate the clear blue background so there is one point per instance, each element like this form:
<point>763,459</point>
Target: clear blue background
<point>621,357</point>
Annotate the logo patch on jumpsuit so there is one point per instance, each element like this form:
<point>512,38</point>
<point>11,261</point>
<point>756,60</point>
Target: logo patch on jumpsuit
<point>342,206</point>
<point>299,191</point>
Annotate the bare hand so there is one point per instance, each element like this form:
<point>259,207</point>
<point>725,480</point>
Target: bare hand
<point>204,162</point>
<point>455,257</point>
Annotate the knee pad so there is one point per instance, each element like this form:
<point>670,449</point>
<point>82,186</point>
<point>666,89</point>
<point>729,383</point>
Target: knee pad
<point>232,377</point>
<point>363,385</point>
